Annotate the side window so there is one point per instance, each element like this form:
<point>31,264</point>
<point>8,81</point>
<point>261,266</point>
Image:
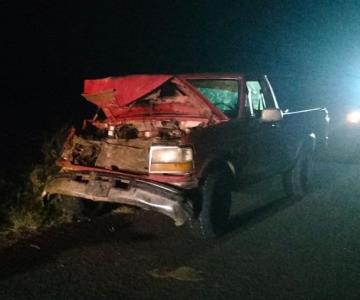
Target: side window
<point>223,93</point>
<point>258,97</point>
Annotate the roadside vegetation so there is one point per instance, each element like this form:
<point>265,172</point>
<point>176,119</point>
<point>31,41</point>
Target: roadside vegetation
<point>21,207</point>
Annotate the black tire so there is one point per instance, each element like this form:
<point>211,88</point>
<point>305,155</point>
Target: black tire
<point>297,180</point>
<point>215,193</point>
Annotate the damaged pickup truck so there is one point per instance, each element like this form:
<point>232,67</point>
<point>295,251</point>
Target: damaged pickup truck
<point>179,145</point>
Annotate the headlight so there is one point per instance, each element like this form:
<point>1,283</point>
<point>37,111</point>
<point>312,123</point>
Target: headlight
<point>353,117</point>
<point>171,159</point>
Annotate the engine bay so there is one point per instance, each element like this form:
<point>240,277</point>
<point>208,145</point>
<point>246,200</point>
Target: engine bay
<point>125,145</point>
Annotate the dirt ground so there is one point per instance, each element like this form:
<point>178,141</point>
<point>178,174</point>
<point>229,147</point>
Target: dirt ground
<point>276,248</point>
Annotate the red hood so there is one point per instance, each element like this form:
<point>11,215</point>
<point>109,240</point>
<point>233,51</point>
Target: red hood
<point>113,94</point>
<point>122,90</point>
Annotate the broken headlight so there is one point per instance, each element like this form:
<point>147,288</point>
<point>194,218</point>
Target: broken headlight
<point>171,159</point>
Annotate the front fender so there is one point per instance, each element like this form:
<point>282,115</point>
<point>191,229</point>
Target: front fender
<point>216,163</point>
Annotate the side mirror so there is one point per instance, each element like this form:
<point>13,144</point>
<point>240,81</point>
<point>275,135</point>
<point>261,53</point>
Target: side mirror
<point>271,115</point>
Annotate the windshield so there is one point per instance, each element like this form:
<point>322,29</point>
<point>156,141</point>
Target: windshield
<point>223,93</point>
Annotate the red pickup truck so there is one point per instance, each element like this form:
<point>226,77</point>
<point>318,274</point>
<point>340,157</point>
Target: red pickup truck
<point>179,144</point>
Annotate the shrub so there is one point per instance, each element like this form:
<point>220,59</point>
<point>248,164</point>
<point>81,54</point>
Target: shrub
<point>26,211</point>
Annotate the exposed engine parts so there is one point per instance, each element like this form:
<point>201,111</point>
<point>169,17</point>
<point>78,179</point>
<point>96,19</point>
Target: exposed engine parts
<point>90,131</point>
<point>170,130</point>
<point>123,146</point>
<point>85,154</point>
<point>161,130</point>
<point>127,132</point>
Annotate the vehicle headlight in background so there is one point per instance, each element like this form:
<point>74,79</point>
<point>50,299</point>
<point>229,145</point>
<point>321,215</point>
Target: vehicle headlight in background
<point>353,117</point>
<point>171,159</point>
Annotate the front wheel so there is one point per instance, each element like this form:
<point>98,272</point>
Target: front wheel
<point>214,215</point>
<point>297,180</point>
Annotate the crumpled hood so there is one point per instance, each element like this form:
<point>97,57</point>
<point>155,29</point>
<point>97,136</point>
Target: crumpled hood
<point>121,91</point>
<point>114,94</point>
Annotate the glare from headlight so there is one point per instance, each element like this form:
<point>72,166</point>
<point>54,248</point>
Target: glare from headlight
<point>353,117</point>
<point>171,159</point>
<point>171,155</point>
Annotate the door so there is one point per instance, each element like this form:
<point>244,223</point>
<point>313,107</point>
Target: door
<point>264,147</point>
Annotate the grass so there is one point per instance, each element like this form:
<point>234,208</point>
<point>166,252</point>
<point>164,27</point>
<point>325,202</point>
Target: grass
<point>22,209</point>
<point>25,220</point>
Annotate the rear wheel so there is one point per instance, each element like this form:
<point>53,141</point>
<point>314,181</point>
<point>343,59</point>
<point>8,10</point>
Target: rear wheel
<point>215,205</point>
<point>297,181</point>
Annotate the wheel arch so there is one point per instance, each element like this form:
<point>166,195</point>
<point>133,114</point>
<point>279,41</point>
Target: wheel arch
<point>215,164</point>
<point>308,143</point>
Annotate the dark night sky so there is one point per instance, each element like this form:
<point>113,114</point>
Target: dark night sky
<point>310,50</point>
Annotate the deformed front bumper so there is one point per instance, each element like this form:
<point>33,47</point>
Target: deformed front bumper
<point>168,200</point>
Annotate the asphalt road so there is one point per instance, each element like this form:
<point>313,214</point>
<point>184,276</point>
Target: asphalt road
<point>277,248</point>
